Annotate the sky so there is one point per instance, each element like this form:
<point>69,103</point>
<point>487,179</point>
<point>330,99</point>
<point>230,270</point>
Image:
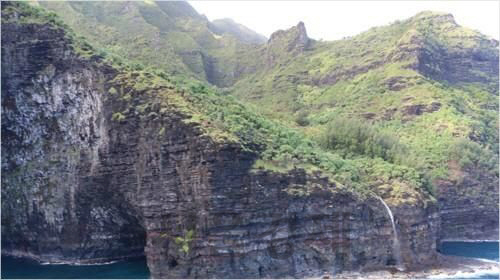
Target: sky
<point>332,20</point>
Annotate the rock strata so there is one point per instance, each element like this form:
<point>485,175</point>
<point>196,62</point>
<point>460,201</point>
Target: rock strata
<point>87,177</point>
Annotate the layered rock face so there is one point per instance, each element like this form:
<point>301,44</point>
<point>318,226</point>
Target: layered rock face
<point>468,200</point>
<point>442,50</point>
<point>468,206</point>
<point>53,131</point>
<point>259,225</point>
<point>462,65</point>
<point>81,183</point>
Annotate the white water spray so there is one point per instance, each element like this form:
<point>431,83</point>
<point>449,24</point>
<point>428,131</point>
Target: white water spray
<point>396,249</point>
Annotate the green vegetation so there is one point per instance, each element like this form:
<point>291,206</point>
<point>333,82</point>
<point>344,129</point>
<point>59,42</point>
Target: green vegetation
<point>26,14</point>
<point>471,155</point>
<point>184,242</point>
<point>167,36</point>
<point>359,138</point>
<point>364,97</point>
<point>281,148</point>
<point>118,117</point>
<point>366,111</point>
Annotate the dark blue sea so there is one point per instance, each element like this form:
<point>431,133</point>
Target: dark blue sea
<point>479,250</point>
<point>137,269</point>
<point>19,268</point>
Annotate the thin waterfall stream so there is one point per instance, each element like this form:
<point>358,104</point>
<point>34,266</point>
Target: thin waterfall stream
<point>396,248</point>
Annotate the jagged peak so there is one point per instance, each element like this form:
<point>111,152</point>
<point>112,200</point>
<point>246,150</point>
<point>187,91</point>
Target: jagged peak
<point>299,29</point>
<point>302,28</point>
<point>295,37</point>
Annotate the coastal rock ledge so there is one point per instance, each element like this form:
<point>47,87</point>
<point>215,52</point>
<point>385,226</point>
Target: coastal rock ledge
<point>99,165</point>
<point>83,185</point>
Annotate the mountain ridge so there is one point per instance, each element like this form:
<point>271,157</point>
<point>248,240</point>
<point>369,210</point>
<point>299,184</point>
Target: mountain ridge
<point>426,83</point>
<point>243,33</point>
<point>104,160</point>
<point>158,136</point>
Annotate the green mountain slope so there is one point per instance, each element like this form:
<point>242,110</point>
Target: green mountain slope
<point>104,160</point>
<point>168,35</point>
<point>244,34</point>
<point>425,81</point>
<point>278,147</point>
<point>410,105</point>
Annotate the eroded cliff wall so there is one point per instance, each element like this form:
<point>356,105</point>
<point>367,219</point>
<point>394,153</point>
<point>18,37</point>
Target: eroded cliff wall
<point>53,129</point>
<point>90,175</point>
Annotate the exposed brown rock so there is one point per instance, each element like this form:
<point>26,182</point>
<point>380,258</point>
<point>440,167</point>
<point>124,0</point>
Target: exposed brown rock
<point>86,186</point>
<point>410,111</point>
<point>468,204</point>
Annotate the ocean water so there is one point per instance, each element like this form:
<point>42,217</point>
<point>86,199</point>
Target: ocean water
<point>17,268</point>
<point>482,250</point>
<point>487,251</point>
<point>20,268</point>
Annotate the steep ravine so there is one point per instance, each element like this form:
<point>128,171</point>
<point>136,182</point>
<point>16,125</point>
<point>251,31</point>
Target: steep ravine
<point>81,183</point>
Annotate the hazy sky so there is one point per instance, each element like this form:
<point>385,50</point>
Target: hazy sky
<point>331,20</point>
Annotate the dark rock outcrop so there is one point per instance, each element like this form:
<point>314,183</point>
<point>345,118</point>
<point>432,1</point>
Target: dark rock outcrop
<point>295,38</point>
<point>438,48</point>
<point>87,177</point>
<point>53,131</point>
<point>468,205</point>
<point>461,65</point>
<point>340,73</point>
<point>290,42</point>
<point>411,111</point>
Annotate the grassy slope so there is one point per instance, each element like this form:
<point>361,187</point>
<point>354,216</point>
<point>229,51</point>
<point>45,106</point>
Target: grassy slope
<point>302,89</point>
<point>166,35</point>
<point>152,93</point>
<point>322,85</point>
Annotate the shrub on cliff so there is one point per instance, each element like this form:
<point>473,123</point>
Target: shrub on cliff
<point>471,155</point>
<point>355,137</point>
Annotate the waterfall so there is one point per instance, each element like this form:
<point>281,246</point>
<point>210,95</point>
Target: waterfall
<point>396,249</point>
